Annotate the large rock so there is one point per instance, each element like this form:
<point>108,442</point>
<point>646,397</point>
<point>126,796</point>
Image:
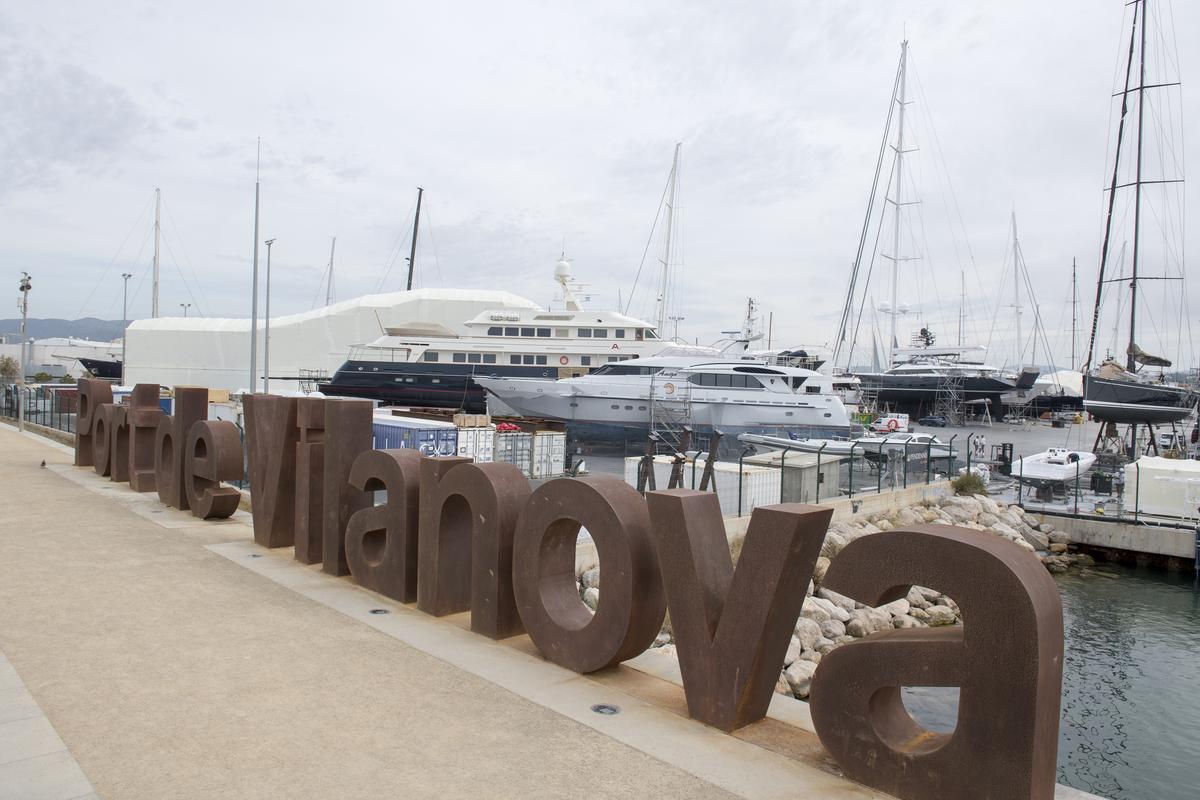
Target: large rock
<point>941,615</point>
<point>858,627</point>
<point>819,570</point>
<point>837,599</point>
<point>1056,536</point>
<point>782,686</point>
<point>987,519</point>
<point>958,514</point>
<point>906,621</point>
<point>1057,564</point>
<point>591,578</point>
<point>988,504</point>
<point>835,611</point>
<point>896,607</point>
<point>833,544</point>
<point>916,599</point>
<point>928,515</point>
<point>1056,548</point>
<point>884,525</point>
<point>814,655</point>
<point>966,502</point>
<point>591,597</point>
<point>799,677</point>
<point>908,516</point>
<point>815,611</point>
<point>1039,540</point>
<point>807,633</point>
<point>793,652</point>
<point>832,629</point>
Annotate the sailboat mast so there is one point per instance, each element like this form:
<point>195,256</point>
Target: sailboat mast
<point>254,290</point>
<point>1016,291</point>
<point>962,304</point>
<point>329,284</point>
<point>896,200</point>
<point>1130,364</point>
<point>1112,194</point>
<point>412,253</point>
<point>157,236</point>
<point>666,260</point>
<point>1074,313</point>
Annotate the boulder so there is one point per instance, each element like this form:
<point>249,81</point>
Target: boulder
<point>813,655</point>
<point>819,570</point>
<point>591,598</point>
<point>884,525</point>
<point>868,527</point>
<point>833,544</point>
<point>906,621</point>
<point>1056,547</point>
<point>858,627</point>
<point>807,633</point>
<point>799,677</point>
<point>1047,527</point>
<point>908,516</point>
<point>1038,539</point>
<point>793,652</point>
<point>988,505</point>
<point>1057,564</point>
<point>941,615</point>
<point>929,515</point>
<point>1084,560</point>
<point>663,638</point>
<point>919,614</point>
<point>835,611</point>
<point>896,607</point>
<point>837,599</point>
<point>987,519</point>
<point>1056,537</point>
<point>815,611</point>
<point>916,599</point>
<point>832,629</point>
<point>591,578</point>
<point>782,686</point>
<point>811,589</point>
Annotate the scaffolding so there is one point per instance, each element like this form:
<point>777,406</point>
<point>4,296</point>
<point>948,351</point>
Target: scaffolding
<point>950,401</point>
<point>671,413</point>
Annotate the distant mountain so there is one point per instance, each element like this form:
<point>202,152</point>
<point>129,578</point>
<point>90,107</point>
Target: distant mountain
<point>100,330</point>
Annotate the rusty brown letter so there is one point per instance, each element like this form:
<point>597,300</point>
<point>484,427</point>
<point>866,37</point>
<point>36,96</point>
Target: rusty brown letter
<point>310,472</point>
<point>271,444</point>
<point>142,419</point>
<point>381,541</point>
<point>347,433</point>
<point>732,626</point>
<point>468,517</point>
<point>213,453</point>
<point>1006,659</point>
<point>632,606</point>
<point>93,393</point>
<point>110,442</point>
<point>190,407</point>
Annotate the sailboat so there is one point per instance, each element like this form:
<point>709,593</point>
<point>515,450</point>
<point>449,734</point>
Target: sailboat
<point>1125,393</point>
<point>915,379</point>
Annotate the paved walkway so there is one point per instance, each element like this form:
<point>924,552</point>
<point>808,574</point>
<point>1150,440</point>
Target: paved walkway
<point>169,671</point>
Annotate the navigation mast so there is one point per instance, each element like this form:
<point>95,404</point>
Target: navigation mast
<point>412,253</point>
<point>665,283</point>
<point>329,283</point>
<point>897,201</point>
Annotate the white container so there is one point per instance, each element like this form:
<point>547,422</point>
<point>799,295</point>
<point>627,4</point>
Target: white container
<point>515,448</point>
<point>760,485</point>
<point>478,443</point>
<point>549,454</point>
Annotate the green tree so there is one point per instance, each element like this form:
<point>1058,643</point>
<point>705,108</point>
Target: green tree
<point>9,368</point>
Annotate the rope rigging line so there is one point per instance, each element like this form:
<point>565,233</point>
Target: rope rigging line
<point>113,260</point>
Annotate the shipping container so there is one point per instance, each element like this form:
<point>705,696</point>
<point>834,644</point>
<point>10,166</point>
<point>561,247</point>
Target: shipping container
<point>549,454</point>
<point>515,448</point>
<point>425,436</point>
<point>478,443</point>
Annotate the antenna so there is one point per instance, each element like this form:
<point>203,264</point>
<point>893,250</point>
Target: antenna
<point>329,285</point>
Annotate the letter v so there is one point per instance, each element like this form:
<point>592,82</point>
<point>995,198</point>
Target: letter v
<point>732,626</point>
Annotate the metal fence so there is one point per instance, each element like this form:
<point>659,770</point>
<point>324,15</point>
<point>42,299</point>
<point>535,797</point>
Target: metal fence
<point>52,406</point>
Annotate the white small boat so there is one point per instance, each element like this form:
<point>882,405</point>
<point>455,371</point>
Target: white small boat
<point>1056,465</point>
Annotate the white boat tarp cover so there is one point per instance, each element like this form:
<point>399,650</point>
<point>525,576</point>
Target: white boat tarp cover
<point>1168,487</point>
<point>200,351</point>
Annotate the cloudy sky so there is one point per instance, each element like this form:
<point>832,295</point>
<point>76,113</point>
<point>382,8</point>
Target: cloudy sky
<point>531,125</point>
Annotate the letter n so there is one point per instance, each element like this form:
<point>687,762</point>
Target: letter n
<point>732,626</point>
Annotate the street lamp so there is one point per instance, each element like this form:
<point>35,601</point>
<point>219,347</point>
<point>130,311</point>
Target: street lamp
<point>185,307</point>
<point>25,286</point>
<point>267,319</point>
<point>125,276</point>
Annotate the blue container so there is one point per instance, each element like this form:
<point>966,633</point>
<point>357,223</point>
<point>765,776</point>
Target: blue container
<point>427,438</point>
<point>166,403</point>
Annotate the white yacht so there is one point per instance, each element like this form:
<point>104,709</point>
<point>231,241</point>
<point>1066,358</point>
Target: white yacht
<point>429,363</point>
<point>731,395</point>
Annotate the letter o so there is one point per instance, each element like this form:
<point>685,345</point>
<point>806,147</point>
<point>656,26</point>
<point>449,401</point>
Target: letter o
<point>632,604</point>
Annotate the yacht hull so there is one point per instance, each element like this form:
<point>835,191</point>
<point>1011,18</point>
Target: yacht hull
<point>917,394</point>
<point>1124,402</point>
<point>423,383</point>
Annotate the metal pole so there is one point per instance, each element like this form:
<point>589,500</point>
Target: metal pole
<point>254,296</point>
<point>412,253</point>
<point>125,276</point>
<point>1137,489</point>
<point>852,445</point>
<point>819,450</point>
<point>1020,478</point>
<point>894,311</point>
<point>1076,485</point>
<point>929,462</point>
<point>25,287</point>
<point>157,233</point>
<point>267,320</point>
<point>951,460</point>
<point>741,466</point>
<point>969,437</point>
<point>782,463</point>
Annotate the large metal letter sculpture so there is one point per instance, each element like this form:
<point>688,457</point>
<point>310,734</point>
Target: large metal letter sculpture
<point>381,541</point>
<point>110,443</point>
<point>732,626</point>
<point>190,407</point>
<point>632,606</point>
<point>93,393</point>
<point>213,453</point>
<point>142,419</point>
<point>468,516</point>
<point>310,472</point>
<point>347,433</point>
<point>1006,659</point>
<point>271,441</point>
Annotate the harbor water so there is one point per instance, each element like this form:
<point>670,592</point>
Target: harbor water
<point>1130,709</point>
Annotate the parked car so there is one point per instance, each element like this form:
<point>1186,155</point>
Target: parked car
<point>932,421</point>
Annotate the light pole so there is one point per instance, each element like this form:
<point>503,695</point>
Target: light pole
<point>125,276</point>
<point>267,319</point>
<point>185,307</point>
<point>25,287</point>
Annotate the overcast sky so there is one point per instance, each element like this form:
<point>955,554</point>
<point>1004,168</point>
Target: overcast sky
<point>535,124</point>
